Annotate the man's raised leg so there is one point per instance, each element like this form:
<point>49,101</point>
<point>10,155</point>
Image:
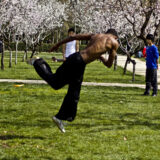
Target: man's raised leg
<point>56,81</point>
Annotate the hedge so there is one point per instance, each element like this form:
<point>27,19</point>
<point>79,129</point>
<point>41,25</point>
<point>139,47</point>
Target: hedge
<point>45,47</point>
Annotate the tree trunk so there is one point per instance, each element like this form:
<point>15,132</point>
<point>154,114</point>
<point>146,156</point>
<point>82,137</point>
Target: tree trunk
<point>33,53</point>
<point>33,50</point>
<point>2,58</point>
<point>16,52</point>
<point>115,63</point>
<point>57,36</point>
<point>125,66</point>
<point>134,69</point>
<point>10,58</point>
<point>53,38</point>
<point>25,56</point>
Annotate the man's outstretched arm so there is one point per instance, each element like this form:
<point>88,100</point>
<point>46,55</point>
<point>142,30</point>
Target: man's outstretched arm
<point>71,38</point>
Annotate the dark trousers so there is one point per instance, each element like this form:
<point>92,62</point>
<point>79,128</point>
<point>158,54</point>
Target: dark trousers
<point>70,72</point>
<point>151,80</point>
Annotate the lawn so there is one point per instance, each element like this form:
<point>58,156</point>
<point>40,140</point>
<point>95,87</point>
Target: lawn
<point>112,123</point>
<point>95,71</point>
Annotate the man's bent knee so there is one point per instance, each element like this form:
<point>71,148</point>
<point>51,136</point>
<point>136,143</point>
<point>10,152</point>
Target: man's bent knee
<point>54,85</point>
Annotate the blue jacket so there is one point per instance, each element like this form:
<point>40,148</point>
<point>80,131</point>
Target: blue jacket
<point>152,56</point>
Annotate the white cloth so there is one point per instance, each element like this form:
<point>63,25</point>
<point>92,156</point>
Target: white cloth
<point>70,48</point>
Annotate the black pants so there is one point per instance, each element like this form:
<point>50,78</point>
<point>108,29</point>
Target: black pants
<point>151,80</point>
<point>70,72</point>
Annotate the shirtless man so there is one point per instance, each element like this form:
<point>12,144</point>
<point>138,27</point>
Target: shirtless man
<point>72,70</point>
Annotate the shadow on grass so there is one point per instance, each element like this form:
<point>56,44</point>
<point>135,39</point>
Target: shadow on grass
<point>69,158</point>
<point>124,94</point>
<point>9,137</point>
<point>121,122</point>
<point>39,123</point>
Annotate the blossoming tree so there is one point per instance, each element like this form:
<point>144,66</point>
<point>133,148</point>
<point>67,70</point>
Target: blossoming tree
<point>133,19</point>
<point>30,21</point>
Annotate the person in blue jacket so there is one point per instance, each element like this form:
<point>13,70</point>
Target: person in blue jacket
<point>152,56</point>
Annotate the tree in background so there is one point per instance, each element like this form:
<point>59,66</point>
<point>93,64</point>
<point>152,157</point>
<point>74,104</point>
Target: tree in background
<point>133,19</point>
<point>142,16</point>
<point>31,21</point>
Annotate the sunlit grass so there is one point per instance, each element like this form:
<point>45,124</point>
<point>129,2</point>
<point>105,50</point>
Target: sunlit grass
<point>95,71</point>
<point>112,123</point>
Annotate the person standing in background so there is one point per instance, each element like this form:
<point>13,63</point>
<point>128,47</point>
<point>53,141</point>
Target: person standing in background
<point>152,56</point>
<point>144,52</point>
<point>68,48</point>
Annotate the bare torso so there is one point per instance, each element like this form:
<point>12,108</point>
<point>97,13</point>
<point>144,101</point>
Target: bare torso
<point>98,45</point>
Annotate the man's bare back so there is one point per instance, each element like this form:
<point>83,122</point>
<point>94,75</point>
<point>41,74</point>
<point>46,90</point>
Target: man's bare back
<point>98,45</point>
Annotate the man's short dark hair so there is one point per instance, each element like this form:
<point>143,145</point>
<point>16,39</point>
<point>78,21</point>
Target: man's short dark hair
<point>150,37</point>
<point>71,30</point>
<point>112,31</point>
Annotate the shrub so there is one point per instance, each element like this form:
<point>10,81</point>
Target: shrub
<point>45,47</point>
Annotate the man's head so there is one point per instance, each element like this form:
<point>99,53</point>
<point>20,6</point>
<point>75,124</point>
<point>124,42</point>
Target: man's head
<point>150,38</point>
<point>112,31</point>
<point>71,32</point>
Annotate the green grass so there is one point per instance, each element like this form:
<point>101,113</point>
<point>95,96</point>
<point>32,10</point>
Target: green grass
<point>95,71</point>
<point>112,123</point>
